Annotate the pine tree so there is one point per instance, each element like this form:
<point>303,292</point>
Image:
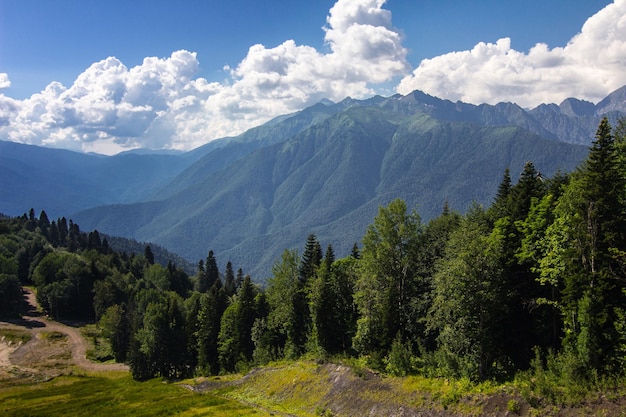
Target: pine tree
<point>149,255</point>
<point>311,258</point>
<point>212,307</point>
<point>501,205</point>
<point>603,186</point>
<point>201,280</point>
<point>235,337</point>
<point>212,272</point>
<point>581,259</point>
<point>230,287</point>
<point>356,253</point>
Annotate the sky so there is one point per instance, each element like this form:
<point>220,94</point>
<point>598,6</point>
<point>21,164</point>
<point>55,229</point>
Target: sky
<point>96,76</point>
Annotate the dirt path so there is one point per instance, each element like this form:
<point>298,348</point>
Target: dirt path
<point>34,322</point>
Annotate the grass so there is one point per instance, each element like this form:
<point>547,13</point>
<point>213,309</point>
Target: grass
<point>303,388</point>
<point>292,388</point>
<point>14,336</point>
<point>53,336</point>
<point>99,347</point>
<point>114,394</point>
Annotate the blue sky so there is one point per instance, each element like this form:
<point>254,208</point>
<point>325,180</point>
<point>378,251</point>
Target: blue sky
<point>106,76</point>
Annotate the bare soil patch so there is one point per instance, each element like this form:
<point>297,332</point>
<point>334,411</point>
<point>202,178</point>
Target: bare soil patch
<point>54,348</point>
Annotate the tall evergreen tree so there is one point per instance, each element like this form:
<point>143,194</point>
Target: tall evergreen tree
<point>230,287</point>
<point>311,258</point>
<point>212,272</point>
<point>149,255</point>
<point>502,203</point>
<point>285,322</point>
<point>582,258</point>
<point>212,307</point>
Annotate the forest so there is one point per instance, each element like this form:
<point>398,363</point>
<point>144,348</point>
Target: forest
<point>534,282</point>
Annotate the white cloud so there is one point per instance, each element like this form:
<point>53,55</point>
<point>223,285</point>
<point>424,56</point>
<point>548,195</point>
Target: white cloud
<point>161,104</point>
<point>4,80</point>
<point>589,67</point>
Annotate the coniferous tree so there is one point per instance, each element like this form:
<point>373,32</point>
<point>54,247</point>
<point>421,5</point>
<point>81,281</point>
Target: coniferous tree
<point>311,258</point>
<point>323,303</point>
<point>212,307</point>
<point>230,287</point>
<point>235,336</point>
<point>581,259</point>
<point>201,279</point>
<point>212,272</point>
<point>239,278</point>
<point>149,255</point>
<point>598,290</point>
<point>520,326</point>
<point>502,205</point>
<point>284,322</point>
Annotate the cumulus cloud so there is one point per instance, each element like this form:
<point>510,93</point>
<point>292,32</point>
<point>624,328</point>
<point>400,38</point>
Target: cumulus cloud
<point>4,80</point>
<point>162,104</point>
<point>590,66</point>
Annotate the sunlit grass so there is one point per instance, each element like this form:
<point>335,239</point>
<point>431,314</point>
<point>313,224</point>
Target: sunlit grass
<point>113,394</point>
<point>98,346</point>
<point>11,336</point>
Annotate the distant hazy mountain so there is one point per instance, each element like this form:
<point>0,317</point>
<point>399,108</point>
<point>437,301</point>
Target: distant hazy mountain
<point>324,170</point>
<point>62,182</point>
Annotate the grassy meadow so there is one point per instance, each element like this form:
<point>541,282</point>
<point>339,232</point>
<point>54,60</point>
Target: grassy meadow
<point>113,394</point>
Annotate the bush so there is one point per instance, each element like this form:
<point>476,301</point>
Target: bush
<point>399,362</point>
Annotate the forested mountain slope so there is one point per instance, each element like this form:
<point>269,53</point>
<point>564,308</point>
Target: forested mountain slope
<point>324,169</point>
<point>330,179</point>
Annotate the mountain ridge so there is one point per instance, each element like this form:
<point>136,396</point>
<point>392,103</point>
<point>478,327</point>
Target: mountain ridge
<point>325,169</point>
<point>330,179</point>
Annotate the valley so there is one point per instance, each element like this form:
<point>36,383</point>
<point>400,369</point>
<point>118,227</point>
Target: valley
<point>323,170</point>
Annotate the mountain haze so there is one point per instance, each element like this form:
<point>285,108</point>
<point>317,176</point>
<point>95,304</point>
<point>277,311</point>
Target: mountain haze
<point>323,170</point>
<point>63,182</point>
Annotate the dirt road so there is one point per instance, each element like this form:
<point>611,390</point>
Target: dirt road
<point>35,349</point>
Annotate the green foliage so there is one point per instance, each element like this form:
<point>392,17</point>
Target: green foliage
<point>469,301</point>
<point>389,278</point>
<point>285,293</point>
<point>10,293</point>
<point>114,327</point>
<point>464,296</point>
<point>399,362</point>
<point>114,394</point>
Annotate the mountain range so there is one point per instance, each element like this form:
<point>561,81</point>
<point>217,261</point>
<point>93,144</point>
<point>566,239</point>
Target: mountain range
<point>323,170</point>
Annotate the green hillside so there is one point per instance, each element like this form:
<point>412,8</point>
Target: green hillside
<point>329,179</point>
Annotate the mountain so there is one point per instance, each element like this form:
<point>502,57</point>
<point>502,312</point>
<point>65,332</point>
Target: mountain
<point>62,182</point>
<point>323,170</point>
<point>330,179</point>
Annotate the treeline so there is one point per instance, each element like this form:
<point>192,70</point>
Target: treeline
<point>536,280</point>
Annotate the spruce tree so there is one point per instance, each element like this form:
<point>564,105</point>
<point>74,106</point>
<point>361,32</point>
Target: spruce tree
<point>311,258</point>
<point>582,259</point>
<point>230,287</point>
<point>212,272</point>
<point>149,255</point>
